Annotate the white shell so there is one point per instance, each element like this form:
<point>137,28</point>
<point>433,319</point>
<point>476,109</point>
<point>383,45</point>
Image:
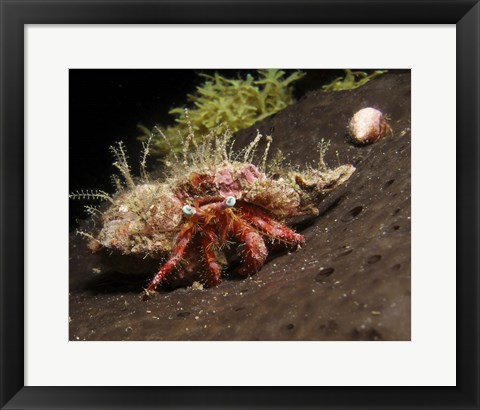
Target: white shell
<point>368,125</point>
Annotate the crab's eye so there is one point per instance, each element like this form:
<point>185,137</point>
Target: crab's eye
<point>188,210</point>
<point>230,201</point>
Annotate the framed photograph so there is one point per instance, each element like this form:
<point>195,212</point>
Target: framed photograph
<point>239,205</point>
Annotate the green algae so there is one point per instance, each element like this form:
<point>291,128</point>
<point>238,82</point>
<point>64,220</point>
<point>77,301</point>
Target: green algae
<point>218,100</point>
<point>350,82</point>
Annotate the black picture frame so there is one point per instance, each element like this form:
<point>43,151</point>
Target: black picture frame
<point>15,14</point>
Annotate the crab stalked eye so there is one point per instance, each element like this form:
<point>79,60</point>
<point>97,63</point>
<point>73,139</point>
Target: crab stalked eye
<point>230,201</point>
<point>188,210</point>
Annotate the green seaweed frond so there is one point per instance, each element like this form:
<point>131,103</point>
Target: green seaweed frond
<point>237,102</point>
<point>350,82</point>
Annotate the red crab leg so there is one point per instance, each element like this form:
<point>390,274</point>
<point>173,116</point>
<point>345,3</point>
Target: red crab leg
<point>271,227</point>
<point>255,252</point>
<point>182,242</point>
<point>213,268</point>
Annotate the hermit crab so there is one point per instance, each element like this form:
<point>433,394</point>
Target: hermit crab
<point>213,208</point>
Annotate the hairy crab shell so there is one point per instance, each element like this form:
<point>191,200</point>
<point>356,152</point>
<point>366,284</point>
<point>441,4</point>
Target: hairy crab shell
<point>140,221</point>
<point>209,199</point>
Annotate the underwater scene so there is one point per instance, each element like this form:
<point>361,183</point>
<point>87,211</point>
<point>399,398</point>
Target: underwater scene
<point>246,205</point>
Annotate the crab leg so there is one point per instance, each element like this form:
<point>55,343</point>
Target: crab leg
<point>213,268</point>
<point>274,229</point>
<point>183,239</point>
<point>255,252</point>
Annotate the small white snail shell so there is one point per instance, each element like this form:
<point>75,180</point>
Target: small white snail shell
<point>368,125</point>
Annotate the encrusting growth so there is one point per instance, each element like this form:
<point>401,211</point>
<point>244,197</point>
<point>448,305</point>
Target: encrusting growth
<point>211,202</point>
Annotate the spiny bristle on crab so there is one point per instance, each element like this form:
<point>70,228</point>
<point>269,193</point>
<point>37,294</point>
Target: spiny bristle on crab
<point>211,198</point>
